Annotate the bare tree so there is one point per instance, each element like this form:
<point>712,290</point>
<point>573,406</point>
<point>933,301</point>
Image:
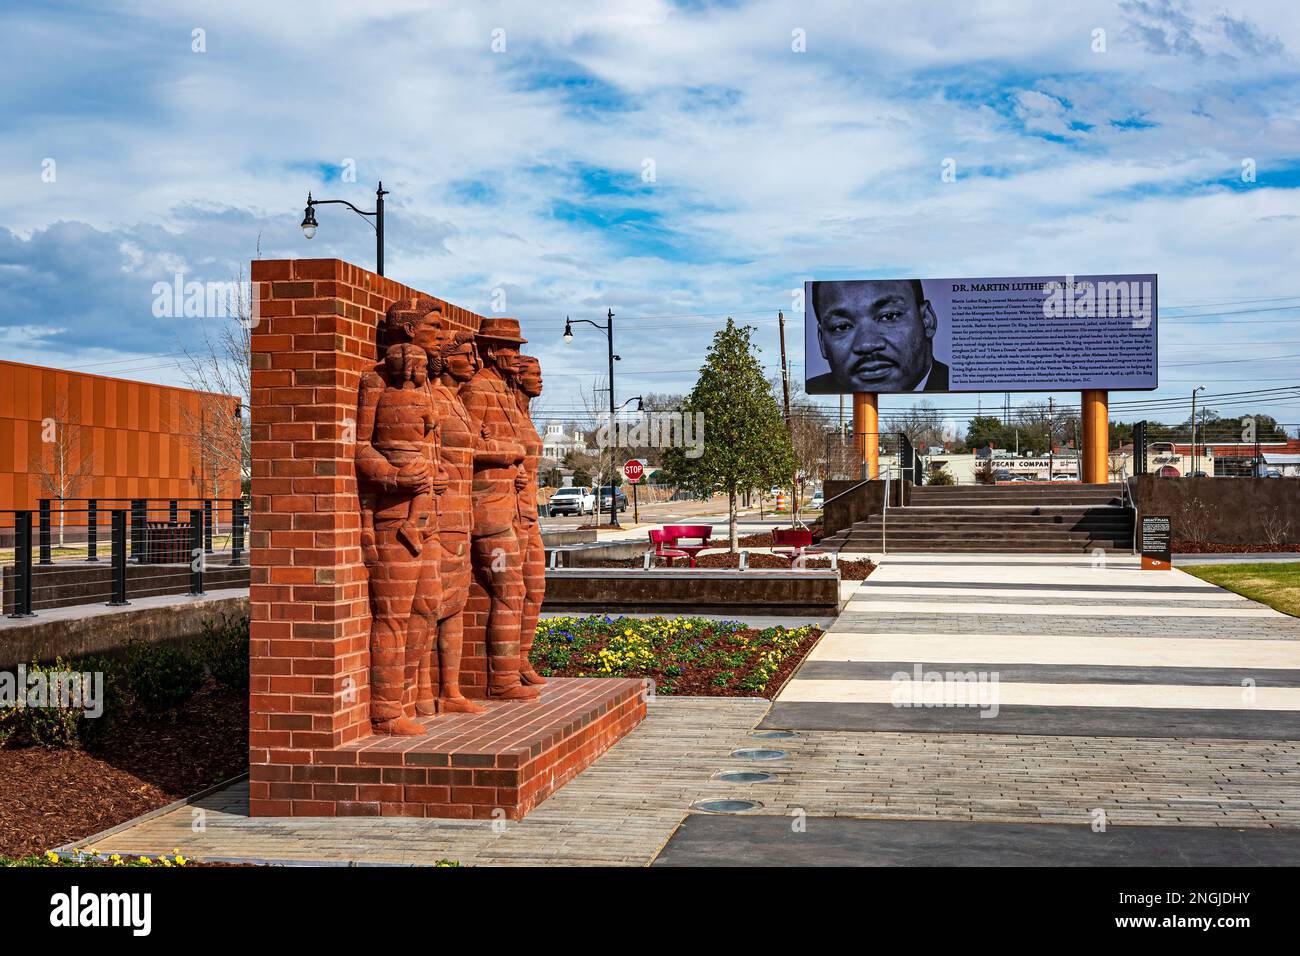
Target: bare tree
<point>64,463</point>
<point>218,366</point>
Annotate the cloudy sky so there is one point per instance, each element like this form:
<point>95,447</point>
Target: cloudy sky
<point>676,162</point>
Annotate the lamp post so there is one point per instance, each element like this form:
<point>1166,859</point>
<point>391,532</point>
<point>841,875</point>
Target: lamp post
<point>309,220</point>
<point>1195,463</point>
<point>608,329</point>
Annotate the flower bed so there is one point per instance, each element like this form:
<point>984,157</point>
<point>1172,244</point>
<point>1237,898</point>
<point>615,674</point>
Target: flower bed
<point>683,656</point>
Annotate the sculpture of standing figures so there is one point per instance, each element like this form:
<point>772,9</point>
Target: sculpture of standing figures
<point>495,549</point>
<point>397,468</point>
<point>453,362</point>
<point>528,384</point>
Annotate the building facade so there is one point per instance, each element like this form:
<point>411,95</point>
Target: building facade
<point>91,436</point>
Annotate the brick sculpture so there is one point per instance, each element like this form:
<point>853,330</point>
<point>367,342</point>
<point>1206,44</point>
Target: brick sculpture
<point>528,385</point>
<point>495,550</point>
<point>454,360</point>
<point>398,474</point>
<point>384,457</point>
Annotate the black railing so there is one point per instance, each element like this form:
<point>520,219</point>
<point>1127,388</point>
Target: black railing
<point>153,552</point>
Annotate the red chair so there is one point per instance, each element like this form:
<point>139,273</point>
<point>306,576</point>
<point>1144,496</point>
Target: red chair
<point>793,543</point>
<point>663,548</point>
<point>691,532</point>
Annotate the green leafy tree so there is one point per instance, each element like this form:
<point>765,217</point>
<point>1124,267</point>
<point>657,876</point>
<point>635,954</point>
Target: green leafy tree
<point>746,443</point>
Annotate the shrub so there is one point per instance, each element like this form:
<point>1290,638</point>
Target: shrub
<point>48,725</point>
<point>940,476</point>
<point>223,648</point>
<point>162,676</point>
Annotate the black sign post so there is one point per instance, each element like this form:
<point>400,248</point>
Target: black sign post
<point>1156,543</point>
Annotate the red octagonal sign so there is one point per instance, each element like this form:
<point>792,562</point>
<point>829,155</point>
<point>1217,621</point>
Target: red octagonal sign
<point>633,469</point>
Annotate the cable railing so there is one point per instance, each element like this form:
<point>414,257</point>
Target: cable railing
<point>154,546</point>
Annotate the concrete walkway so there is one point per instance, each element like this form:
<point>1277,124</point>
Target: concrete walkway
<point>1130,706</point>
<point>1048,644</point>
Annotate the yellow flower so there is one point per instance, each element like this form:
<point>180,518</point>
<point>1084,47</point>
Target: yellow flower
<point>180,860</point>
<point>51,856</point>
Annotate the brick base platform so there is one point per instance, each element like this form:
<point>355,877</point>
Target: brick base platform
<point>509,759</point>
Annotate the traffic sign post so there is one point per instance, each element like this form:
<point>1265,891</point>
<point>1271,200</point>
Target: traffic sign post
<point>633,469</point>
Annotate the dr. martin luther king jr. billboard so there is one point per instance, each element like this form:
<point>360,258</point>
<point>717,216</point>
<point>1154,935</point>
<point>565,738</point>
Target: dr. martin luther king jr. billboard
<point>1027,334</point>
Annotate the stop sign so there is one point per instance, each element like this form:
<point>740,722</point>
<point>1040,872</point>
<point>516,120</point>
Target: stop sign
<point>633,469</point>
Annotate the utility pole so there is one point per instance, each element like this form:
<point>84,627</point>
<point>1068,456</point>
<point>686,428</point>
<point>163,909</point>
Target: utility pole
<point>1195,463</point>
<point>789,424</point>
<point>1051,435</point>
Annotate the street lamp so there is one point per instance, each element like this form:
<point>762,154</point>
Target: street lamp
<point>608,329</point>
<point>1195,460</point>
<point>309,223</point>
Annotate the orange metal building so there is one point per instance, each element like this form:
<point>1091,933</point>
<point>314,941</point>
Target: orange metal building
<point>141,439</point>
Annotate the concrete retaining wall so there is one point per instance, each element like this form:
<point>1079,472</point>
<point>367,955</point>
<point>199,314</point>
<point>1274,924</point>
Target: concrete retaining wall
<point>1223,510</point>
<point>77,632</point>
<point>683,591</point>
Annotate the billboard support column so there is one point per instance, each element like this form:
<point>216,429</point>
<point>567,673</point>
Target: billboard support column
<point>866,433</point>
<point>1096,437</point>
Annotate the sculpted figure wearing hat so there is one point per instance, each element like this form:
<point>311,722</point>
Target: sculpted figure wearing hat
<point>398,477</point>
<point>528,385</point>
<point>453,362</point>
<point>495,549</point>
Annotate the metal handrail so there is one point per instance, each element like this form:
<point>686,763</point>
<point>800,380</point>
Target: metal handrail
<point>884,516</point>
<point>1131,503</point>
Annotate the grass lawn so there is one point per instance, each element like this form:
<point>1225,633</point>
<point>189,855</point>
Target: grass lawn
<point>1276,584</point>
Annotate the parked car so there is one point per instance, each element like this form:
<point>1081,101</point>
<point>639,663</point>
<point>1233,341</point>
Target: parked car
<point>816,502</point>
<point>1001,474</point>
<point>620,499</point>
<point>1064,478</point>
<point>572,501</point>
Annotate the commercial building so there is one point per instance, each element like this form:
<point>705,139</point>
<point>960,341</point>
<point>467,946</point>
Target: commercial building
<point>75,435</point>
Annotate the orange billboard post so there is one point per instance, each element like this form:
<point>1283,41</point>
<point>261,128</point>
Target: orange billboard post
<point>1096,437</point>
<point>866,428</point>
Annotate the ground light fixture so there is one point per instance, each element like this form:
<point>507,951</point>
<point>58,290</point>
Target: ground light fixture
<point>725,805</point>
<point>744,776</point>
<point>310,225</point>
<point>759,753</point>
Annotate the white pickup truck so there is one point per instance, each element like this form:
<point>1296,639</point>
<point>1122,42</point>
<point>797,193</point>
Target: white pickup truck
<point>572,501</point>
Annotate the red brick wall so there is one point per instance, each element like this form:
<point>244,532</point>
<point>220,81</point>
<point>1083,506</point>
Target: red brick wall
<point>310,618</point>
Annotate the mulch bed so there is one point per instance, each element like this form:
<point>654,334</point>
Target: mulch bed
<point>49,797</point>
<point>1209,547</point>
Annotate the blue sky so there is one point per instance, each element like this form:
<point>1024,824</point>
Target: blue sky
<point>673,162</point>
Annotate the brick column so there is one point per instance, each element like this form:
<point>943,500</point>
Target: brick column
<point>310,618</point>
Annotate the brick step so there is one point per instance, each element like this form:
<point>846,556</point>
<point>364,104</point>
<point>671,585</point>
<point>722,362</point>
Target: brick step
<point>1013,511</point>
<point>991,504</point>
<point>990,540</point>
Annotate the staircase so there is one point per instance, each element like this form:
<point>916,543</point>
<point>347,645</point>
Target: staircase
<point>1060,518</point>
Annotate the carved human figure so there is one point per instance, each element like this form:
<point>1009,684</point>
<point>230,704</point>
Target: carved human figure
<point>396,465</point>
<point>404,422</point>
<point>453,362</point>
<point>495,552</point>
<point>528,385</point>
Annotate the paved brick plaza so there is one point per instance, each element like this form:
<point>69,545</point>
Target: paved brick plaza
<point>1129,760</point>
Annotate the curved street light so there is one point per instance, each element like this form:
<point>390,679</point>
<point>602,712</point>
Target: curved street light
<point>309,224</point>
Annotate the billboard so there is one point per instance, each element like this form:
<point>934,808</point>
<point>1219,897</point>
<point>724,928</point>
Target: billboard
<point>1024,334</point>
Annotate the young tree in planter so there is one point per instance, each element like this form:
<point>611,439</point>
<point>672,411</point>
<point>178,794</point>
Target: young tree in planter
<point>746,443</point>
